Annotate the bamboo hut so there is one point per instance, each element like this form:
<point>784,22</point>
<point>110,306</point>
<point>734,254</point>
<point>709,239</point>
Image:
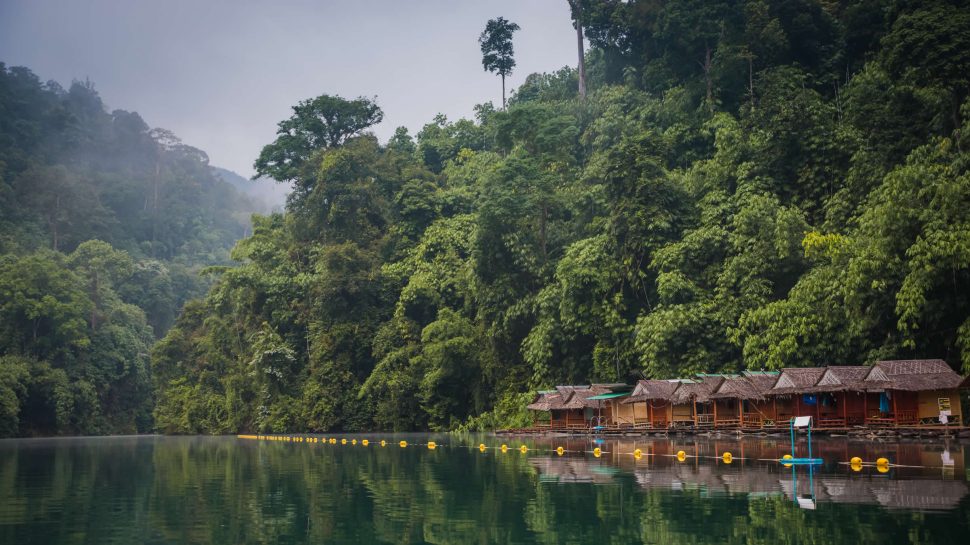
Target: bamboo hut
<point>693,398</point>
<point>651,403</point>
<point>791,393</point>
<point>914,392</point>
<point>740,402</point>
<point>841,396</point>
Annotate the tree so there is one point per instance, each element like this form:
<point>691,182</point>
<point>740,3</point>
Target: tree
<point>576,9</point>
<point>319,123</point>
<point>497,54</point>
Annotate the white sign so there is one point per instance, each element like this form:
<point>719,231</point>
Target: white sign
<point>802,421</point>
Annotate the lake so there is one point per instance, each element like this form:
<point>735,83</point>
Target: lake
<point>228,490</point>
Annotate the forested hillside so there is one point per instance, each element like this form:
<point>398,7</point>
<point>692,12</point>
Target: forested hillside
<point>105,225</point>
<point>743,184</point>
<point>747,185</point>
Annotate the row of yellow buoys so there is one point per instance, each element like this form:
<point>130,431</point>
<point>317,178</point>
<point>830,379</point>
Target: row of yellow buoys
<point>882,464</point>
<point>560,451</point>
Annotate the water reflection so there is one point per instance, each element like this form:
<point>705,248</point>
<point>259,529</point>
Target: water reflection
<point>225,490</point>
<point>921,477</point>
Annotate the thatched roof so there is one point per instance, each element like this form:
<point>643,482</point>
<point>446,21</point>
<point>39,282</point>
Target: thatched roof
<point>743,387</point>
<point>913,375</point>
<point>573,397</point>
<point>545,401</point>
<point>796,380</point>
<point>579,399</point>
<point>650,390</point>
<point>699,389</point>
<point>841,378</point>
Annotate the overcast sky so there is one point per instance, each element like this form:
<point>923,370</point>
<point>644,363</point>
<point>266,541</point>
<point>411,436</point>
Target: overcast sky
<point>222,73</point>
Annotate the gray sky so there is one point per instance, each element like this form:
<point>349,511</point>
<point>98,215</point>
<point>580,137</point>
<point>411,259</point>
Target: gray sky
<point>221,74</point>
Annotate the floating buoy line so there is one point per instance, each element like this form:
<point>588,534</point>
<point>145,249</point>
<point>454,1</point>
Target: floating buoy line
<point>882,465</point>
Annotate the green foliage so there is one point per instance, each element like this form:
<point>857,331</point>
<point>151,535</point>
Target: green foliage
<point>498,55</point>
<point>318,123</point>
<point>749,184</point>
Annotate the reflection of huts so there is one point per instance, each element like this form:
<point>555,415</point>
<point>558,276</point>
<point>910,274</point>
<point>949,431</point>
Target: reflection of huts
<point>912,392</point>
<point>650,405</point>
<point>571,470</point>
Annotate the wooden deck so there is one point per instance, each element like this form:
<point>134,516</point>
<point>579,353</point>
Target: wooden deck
<point>833,426</point>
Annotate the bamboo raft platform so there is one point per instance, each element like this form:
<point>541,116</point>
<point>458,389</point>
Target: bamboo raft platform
<point>857,431</point>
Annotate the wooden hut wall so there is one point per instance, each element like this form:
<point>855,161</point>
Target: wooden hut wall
<point>660,413</point>
<point>623,413</point>
<point>682,412</point>
<point>641,413</point>
<point>872,405</point>
<point>763,410</point>
<point>905,407</point>
<point>565,418</point>
<point>828,405</point>
<point>784,407</point>
<point>931,402</point>
<point>853,407</point>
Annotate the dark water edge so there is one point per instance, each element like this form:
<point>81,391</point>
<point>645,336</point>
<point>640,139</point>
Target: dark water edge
<point>152,489</point>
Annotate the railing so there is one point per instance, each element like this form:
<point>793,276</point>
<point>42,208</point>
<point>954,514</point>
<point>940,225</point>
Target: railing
<point>752,421</point>
<point>705,420</point>
<point>831,422</point>
<point>906,418</point>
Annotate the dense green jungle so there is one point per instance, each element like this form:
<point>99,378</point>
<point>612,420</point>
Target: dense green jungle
<point>722,185</point>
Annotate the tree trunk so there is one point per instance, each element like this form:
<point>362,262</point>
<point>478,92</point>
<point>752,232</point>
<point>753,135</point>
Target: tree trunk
<point>53,221</point>
<point>503,91</point>
<point>582,56</point>
<point>707,78</point>
<point>155,206</point>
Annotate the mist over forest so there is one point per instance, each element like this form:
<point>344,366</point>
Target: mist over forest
<point>725,185</point>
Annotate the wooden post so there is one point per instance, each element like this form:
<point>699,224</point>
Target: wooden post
<point>865,408</point>
<point>715,413</point>
<point>695,412</point>
<point>895,414</point>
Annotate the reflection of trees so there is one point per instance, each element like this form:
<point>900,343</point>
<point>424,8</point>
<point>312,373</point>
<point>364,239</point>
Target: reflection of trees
<point>214,490</point>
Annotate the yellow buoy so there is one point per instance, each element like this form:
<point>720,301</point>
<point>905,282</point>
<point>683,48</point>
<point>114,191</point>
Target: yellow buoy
<point>882,465</point>
<point>637,454</point>
<point>383,443</point>
<point>432,445</point>
<point>365,442</point>
<point>855,460</point>
<point>882,469</point>
<point>333,440</point>
<point>560,450</point>
<point>343,441</point>
<point>856,466</point>
<point>353,442</point>
<point>786,457</point>
<point>403,444</point>
<point>481,447</point>
<point>505,448</point>
<point>523,449</point>
<point>681,456</point>
<point>597,452</point>
<point>727,457</point>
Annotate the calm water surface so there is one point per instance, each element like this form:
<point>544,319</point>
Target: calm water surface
<point>229,491</point>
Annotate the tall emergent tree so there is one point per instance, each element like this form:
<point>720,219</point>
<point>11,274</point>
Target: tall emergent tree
<point>576,10</point>
<point>497,54</point>
<point>318,123</point>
